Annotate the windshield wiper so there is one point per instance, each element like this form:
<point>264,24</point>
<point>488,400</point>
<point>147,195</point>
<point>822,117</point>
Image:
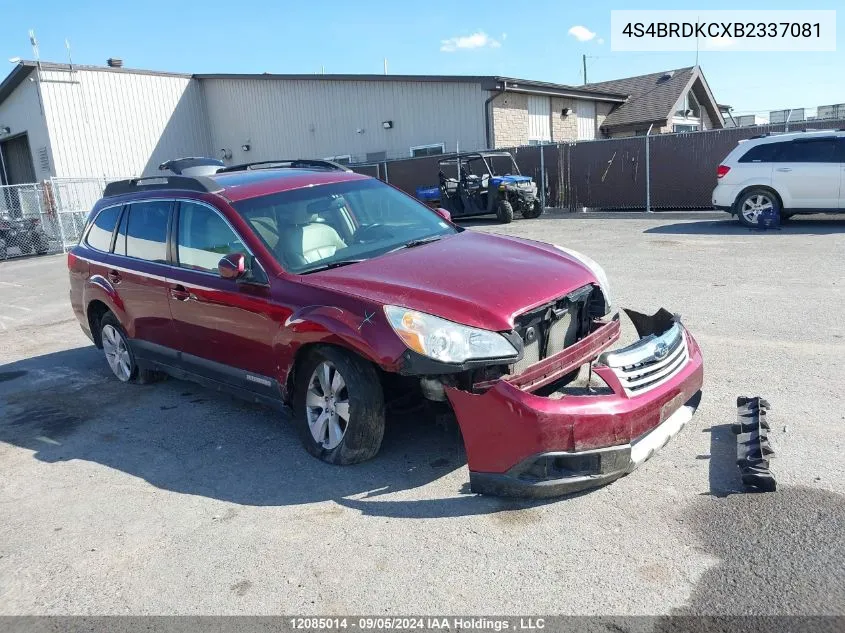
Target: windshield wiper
<point>417,242</point>
<point>328,265</point>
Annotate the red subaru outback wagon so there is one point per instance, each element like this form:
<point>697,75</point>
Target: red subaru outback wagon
<point>303,284</point>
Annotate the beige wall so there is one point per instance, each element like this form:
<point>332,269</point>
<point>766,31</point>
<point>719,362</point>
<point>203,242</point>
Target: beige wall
<point>510,119</point>
<point>564,128</point>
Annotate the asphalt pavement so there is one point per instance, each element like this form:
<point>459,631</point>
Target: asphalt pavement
<point>172,499</point>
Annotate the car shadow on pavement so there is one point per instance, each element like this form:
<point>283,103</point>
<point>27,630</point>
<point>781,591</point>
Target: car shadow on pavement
<point>181,437</point>
<point>730,227</point>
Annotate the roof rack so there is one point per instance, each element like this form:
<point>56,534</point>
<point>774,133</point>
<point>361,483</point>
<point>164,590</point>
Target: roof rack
<point>296,163</point>
<point>185,183</point>
<point>194,165</point>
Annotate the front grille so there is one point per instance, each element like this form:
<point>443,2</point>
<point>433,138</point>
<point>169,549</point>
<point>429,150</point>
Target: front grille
<point>649,373</point>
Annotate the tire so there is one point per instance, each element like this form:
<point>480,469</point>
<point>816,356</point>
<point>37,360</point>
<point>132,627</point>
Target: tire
<point>320,421</point>
<point>534,211</point>
<point>504,211</point>
<point>4,251</point>
<point>759,199</point>
<point>41,244</point>
<point>119,355</point>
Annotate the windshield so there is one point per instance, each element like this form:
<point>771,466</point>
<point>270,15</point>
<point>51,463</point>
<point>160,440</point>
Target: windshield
<point>319,227</point>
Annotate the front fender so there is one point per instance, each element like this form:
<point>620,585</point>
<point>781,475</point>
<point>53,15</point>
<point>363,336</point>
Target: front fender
<point>365,333</point>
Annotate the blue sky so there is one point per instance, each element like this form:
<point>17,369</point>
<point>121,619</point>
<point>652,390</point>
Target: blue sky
<point>522,39</point>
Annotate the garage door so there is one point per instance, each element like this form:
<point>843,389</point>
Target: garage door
<point>17,161</point>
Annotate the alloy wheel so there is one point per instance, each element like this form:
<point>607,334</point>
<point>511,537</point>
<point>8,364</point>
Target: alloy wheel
<point>117,354</point>
<point>327,405</point>
<point>754,205</point>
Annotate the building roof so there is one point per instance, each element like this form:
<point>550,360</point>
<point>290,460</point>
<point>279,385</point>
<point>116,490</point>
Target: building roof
<point>24,67</point>
<point>488,82</point>
<point>652,97</point>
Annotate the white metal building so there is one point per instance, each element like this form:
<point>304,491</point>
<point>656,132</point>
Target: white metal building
<point>58,120</point>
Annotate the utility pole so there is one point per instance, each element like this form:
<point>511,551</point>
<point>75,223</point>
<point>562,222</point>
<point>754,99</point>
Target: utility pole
<point>584,62</point>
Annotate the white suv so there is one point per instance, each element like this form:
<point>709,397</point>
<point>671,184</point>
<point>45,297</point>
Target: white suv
<point>801,172</point>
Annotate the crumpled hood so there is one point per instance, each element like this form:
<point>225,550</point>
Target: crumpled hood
<point>472,278</point>
<point>510,180</point>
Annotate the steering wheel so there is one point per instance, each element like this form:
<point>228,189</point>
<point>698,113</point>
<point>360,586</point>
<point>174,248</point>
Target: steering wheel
<point>370,233</point>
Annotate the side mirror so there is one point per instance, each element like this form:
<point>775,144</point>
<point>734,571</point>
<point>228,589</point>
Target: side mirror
<point>232,266</point>
<point>443,213</point>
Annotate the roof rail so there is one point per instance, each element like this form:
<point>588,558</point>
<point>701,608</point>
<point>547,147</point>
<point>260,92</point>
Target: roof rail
<point>184,183</point>
<point>296,163</point>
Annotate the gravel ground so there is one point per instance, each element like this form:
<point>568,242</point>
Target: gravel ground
<point>170,499</point>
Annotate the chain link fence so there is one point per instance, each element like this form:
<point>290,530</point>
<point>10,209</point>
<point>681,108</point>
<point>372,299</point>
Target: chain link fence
<point>46,217</point>
<point>28,225</point>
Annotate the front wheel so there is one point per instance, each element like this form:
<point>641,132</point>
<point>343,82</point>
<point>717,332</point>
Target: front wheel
<point>504,212</point>
<point>535,210</point>
<point>339,406</point>
<point>753,204</point>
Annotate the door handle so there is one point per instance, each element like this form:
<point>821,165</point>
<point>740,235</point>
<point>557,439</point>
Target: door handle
<point>179,293</point>
<point>113,276</point>
<point>783,169</point>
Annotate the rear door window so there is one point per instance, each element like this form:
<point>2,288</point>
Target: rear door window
<point>146,230</point>
<point>817,150</point>
<point>102,228</point>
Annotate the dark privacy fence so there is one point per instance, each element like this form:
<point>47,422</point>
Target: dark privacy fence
<point>612,173</point>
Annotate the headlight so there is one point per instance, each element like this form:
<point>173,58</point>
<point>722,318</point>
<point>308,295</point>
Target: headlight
<point>444,340</point>
<point>597,270</point>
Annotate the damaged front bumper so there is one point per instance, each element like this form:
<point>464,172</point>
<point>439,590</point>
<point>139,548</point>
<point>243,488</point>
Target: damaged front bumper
<point>519,443</point>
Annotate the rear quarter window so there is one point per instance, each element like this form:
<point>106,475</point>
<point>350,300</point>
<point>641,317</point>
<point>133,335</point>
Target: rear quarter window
<point>102,228</point>
<point>764,153</point>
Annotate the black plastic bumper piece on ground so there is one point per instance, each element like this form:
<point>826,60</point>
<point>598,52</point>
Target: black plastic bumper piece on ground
<point>752,444</point>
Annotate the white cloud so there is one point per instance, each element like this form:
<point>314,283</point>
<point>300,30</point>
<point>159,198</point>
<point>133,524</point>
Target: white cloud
<point>504,36</point>
<point>581,33</point>
<point>479,39</point>
<point>600,41</point>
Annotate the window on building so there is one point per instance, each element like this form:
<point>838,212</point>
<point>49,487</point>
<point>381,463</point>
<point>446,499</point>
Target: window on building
<point>146,230</point>
<point>376,157</point>
<point>684,128</point>
<point>102,229</point>
<point>817,150</point>
<point>428,150</point>
<point>204,237</point>
<point>690,107</point>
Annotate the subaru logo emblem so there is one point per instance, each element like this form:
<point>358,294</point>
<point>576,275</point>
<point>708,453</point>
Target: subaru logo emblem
<point>661,351</point>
